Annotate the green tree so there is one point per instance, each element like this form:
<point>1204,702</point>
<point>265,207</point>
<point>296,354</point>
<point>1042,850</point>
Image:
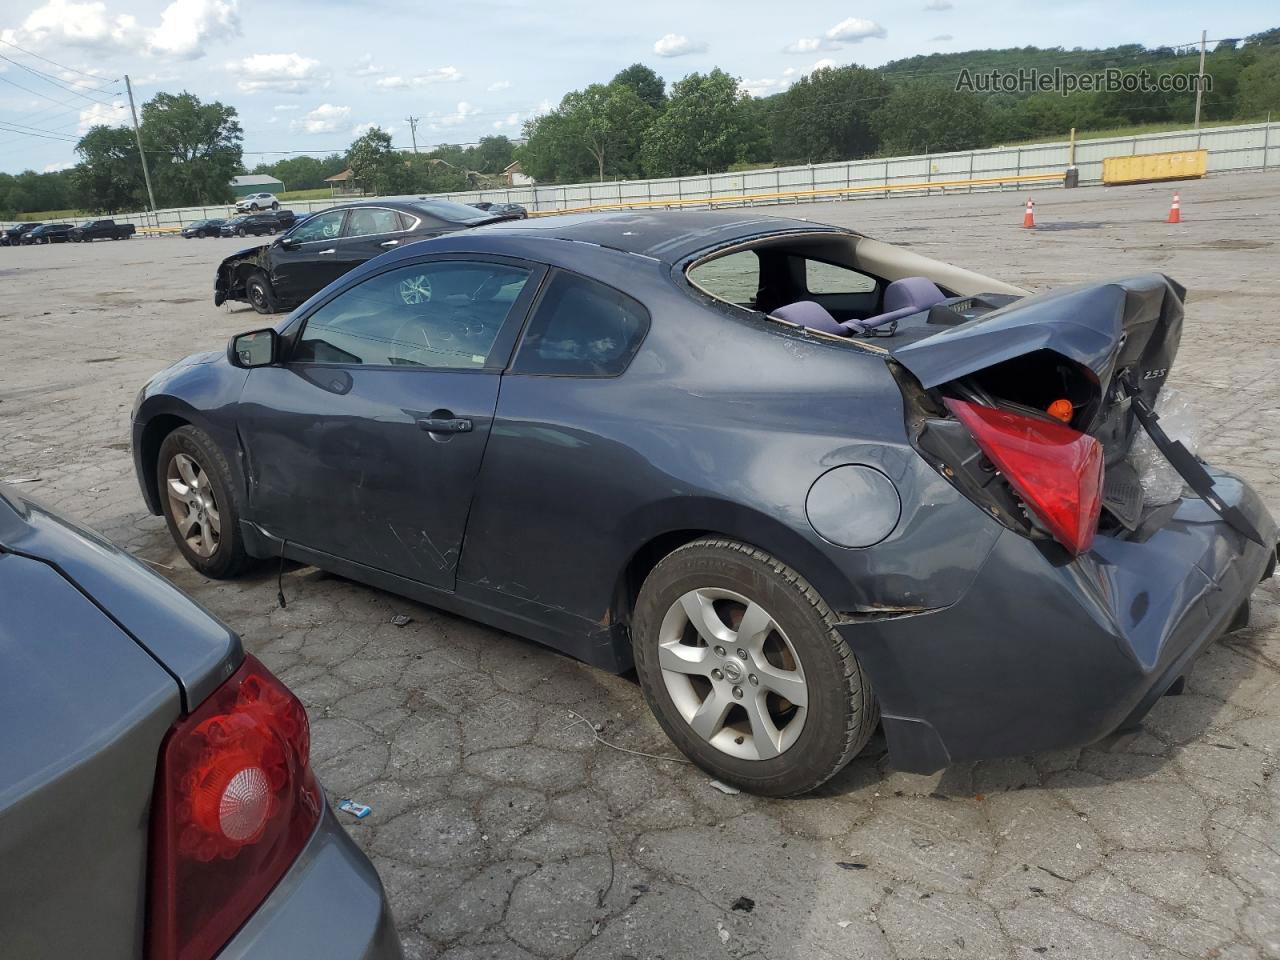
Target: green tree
<point>430,174</point>
<point>594,131</point>
<point>193,148</point>
<point>491,154</point>
<point>1259,90</point>
<point>380,169</point>
<point>827,115</point>
<point>700,131</point>
<point>931,118</point>
<point>648,86</point>
<point>108,178</point>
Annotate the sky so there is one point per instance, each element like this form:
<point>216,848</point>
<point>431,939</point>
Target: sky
<point>311,75</point>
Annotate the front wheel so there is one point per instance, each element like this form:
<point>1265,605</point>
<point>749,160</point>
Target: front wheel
<point>258,290</point>
<point>275,205</point>
<point>240,232</point>
<point>740,661</point>
<point>199,508</point>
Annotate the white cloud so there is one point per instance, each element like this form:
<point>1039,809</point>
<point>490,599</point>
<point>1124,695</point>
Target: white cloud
<point>438,75</point>
<point>499,85</point>
<point>855,29</point>
<point>185,28</point>
<point>678,45</point>
<point>766,86</point>
<point>810,45</point>
<point>941,38</point>
<point>826,63</point>
<point>147,79</point>
<point>187,25</point>
<point>279,72</point>
<point>935,6</point>
<point>285,107</point>
<point>101,115</point>
<point>365,67</point>
<point>464,113</point>
<point>325,118</point>
<point>55,167</point>
<point>510,122</point>
<point>71,24</point>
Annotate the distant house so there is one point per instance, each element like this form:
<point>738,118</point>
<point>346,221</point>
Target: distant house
<point>255,183</point>
<point>515,176</point>
<point>344,185</point>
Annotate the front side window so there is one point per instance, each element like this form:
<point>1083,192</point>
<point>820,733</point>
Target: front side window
<point>441,315</point>
<point>582,329</point>
<point>323,226</point>
<point>366,221</point>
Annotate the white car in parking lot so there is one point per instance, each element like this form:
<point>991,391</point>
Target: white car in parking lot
<point>258,201</point>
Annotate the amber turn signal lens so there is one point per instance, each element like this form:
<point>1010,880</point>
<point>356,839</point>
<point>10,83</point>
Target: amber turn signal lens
<point>1061,410</point>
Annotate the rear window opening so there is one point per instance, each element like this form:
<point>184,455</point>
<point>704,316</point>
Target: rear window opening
<point>1036,383</point>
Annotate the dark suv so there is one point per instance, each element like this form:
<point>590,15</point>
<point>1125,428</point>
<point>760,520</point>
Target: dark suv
<point>13,236</point>
<point>255,224</point>
<point>48,233</point>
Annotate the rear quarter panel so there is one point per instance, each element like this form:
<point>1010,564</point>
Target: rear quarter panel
<point>83,709</point>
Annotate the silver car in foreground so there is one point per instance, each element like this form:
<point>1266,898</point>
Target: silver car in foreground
<point>156,792</point>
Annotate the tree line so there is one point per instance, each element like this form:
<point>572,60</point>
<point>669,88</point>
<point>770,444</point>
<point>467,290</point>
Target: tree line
<point>634,126</point>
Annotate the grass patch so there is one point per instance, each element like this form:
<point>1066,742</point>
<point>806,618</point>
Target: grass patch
<point>320,193</point>
<point>1134,131</point>
<point>50,216</point>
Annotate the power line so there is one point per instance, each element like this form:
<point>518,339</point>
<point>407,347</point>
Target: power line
<point>60,66</point>
<point>58,82</point>
<point>32,133</point>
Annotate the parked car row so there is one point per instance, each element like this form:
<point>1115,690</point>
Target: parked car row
<point>32,234</point>
<point>256,224</point>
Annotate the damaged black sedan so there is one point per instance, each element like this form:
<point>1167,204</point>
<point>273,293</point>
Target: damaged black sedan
<point>324,246</point>
<point>803,481</point>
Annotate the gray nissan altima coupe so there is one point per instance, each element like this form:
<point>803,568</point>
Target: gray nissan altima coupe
<point>156,793</point>
<point>803,481</point>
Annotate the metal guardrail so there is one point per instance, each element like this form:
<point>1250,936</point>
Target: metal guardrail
<point>1244,147</point>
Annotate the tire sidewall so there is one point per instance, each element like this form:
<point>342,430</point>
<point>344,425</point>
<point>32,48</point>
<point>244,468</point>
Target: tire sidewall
<point>267,306</point>
<point>195,443</point>
<point>822,748</point>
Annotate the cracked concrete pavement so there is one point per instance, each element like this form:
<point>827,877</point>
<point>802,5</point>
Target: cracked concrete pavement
<point>503,829</point>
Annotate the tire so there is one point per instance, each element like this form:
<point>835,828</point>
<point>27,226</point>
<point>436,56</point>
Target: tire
<point>275,205</point>
<point>240,231</point>
<point>225,556</point>
<point>258,290</point>
<point>253,207</point>
<point>797,650</point>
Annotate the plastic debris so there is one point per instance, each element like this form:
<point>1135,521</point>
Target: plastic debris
<point>743,905</point>
<point>849,865</point>
<point>725,788</point>
<point>1161,483</point>
<point>400,620</point>
<point>842,924</point>
<point>357,810</point>
<point>721,932</point>
<point>15,480</point>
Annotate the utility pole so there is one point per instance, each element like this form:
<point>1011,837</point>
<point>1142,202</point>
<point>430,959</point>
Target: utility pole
<point>142,154</point>
<point>1200,81</point>
<point>413,131</point>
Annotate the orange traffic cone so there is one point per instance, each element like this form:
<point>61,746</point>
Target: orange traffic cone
<point>1175,211</point>
<point>1029,218</point>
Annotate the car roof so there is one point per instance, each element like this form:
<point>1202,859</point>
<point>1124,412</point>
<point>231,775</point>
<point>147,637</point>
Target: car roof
<point>667,235</point>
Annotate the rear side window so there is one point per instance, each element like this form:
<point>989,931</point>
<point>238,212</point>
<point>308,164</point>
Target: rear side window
<point>827,278</point>
<point>734,279</point>
<point>581,328</point>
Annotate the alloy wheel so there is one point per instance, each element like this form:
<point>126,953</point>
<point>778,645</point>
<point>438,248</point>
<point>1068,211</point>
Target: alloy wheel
<point>192,505</point>
<point>415,290</point>
<point>732,673</point>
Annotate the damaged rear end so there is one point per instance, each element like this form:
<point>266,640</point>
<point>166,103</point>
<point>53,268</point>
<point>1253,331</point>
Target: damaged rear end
<point>1122,553</point>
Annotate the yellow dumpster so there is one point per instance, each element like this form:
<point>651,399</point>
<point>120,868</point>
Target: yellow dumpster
<point>1150,167</point>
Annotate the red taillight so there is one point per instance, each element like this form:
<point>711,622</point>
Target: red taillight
<point>1056,471</point>
<point>235,803</point>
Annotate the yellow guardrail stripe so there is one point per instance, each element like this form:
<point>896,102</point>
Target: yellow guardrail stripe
<point>797,194</point>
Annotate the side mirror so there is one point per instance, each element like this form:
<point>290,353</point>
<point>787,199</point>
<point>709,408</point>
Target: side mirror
<point>286,243</point>
<point>258,348</point>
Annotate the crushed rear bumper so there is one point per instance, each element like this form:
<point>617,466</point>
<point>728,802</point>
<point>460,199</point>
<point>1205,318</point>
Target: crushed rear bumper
<point>1038,657</point>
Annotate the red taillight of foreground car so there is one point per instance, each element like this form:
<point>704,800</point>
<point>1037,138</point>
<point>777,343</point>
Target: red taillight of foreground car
<point>1056,471</point>
<point>235,803</point>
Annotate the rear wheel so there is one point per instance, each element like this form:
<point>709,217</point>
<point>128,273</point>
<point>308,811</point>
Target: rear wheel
<point>196,496</point>
<point>240,231</point>
<point>275,205</point>
<point>741,664</point>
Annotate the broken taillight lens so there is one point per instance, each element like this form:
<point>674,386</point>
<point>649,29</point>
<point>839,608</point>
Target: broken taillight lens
<point>1057,471</point>
<point>235,804</point>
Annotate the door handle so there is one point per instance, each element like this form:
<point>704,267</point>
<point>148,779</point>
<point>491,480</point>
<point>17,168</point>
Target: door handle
<point>330,250</point>
<point>445,424</point>
<point>388,243</point>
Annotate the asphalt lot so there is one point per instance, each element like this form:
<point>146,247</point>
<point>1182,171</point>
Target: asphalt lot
<point>503,830</point>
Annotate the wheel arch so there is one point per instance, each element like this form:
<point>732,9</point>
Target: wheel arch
<point>153,434</point>
<point>718,519</point>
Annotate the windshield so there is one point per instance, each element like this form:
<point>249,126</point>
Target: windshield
<point>454,212</point>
